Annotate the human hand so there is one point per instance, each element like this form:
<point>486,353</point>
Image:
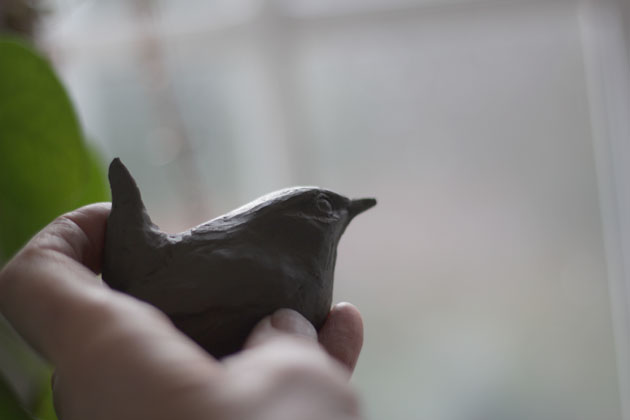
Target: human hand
<point>120,358</point>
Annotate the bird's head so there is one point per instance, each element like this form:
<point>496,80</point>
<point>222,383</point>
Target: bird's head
<point>303,220</point>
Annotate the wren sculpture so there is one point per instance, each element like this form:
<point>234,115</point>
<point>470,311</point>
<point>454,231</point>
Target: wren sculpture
<point>217,280</point>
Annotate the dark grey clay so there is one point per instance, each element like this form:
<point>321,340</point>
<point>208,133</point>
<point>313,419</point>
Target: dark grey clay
<point>217,280</point>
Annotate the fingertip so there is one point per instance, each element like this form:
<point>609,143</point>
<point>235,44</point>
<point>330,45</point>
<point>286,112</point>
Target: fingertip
<point>79,234</point>
<point>342,334</point>
<point>290,321</point>
<point>90,215</point>
<point>280,323</point>
<point>349,312</point>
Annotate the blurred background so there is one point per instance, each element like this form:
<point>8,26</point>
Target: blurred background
<point>486,274</point>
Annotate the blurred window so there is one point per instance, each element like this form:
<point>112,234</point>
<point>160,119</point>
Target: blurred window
<point>482,272</point>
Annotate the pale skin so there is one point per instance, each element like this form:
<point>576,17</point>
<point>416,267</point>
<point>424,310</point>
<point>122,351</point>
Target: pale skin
<point>118,358</point>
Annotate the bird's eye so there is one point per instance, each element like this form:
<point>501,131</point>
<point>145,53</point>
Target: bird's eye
<point>324,205</point>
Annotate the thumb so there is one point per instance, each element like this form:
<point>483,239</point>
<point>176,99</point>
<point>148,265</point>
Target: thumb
<point>281,323</point>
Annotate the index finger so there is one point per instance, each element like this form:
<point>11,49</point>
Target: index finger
<point>42,285</point>
<point>341,335</point>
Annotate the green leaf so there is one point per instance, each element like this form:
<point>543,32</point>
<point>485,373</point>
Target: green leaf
<point>46,169</point>
<point>45,410</point>
<point>96,185</point>
<point>45,166</point>
<point>9,406</point>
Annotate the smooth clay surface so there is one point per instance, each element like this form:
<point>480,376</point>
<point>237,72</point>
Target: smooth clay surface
<point>217,280</point>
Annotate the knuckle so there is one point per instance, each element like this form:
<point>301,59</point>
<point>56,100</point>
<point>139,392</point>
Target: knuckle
<point>316,380</point>
<point>305,362</point>
<point>122,307</point>
<point>153,312</point>
<point>296,371</point>
<point>95,308</point>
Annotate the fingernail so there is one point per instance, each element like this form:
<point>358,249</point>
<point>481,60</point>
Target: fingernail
<point>290,321</point>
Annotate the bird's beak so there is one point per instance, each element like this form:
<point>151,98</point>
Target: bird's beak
<point>359,206</point>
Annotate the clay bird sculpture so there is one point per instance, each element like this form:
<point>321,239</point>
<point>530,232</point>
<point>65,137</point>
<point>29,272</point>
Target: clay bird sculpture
<point>217,280</point>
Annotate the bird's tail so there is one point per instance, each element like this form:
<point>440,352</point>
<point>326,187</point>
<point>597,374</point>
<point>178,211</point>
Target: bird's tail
<point>127,202</point>
<point>129,227</point>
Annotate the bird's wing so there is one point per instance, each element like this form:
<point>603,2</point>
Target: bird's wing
<point>195,279</point>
